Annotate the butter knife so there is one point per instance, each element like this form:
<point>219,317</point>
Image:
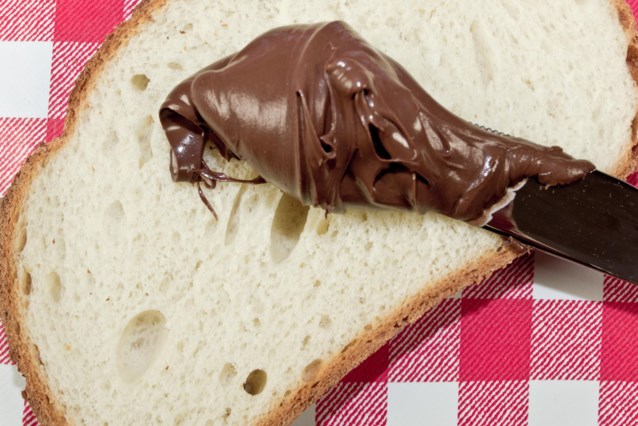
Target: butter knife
<point>593,222</point>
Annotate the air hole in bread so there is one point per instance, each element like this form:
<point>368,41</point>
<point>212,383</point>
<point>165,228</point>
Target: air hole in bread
<point>287,226</point>
<point>311,371</point>
<point>36,351</point>
<point>325,321</point>
<point>143,136</point>
<point>227,412</point>
<point>304,343</point>
<point>140,342</point>
<point>228,373</point>
<point>114,213</point>
<point>55,286</point>
<point>255,382</point>
<point>233,220</point>
<point>26,283</point>
<point>256,322</point>
<point>316,284</point>
<point>323,225</point>
<point>140,82</point>
<point>175,66</point>
<point>186,28</point>
<point>21,237</point>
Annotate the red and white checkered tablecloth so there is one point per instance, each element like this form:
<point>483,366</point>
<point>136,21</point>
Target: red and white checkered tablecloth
<point>542,342</point>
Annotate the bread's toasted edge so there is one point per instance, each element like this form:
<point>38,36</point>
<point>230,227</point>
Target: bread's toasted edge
<point>287,409</point>
<point>38,393</point>
<point>22,350</point>
<point>629,163</point>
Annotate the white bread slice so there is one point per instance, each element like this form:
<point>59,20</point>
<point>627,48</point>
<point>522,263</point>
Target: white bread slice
<point>126,302</point>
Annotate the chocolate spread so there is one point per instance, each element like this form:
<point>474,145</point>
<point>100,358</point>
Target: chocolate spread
<point>317,111</point>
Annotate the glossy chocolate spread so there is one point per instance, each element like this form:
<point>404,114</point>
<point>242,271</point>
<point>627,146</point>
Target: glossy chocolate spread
<point>317,111</point>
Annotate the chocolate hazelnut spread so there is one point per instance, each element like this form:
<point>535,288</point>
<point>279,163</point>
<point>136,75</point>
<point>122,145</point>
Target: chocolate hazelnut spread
<point>317,111</point>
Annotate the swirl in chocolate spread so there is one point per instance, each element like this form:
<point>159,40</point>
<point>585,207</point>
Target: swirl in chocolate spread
<point>320,113</point>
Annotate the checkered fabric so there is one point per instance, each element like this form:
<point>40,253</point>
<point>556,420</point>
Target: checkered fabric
<point>542,342</point>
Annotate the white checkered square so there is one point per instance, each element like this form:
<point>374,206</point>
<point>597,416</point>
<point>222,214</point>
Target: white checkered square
<point>563,403</point>
<point>11,404</point>
<point>555,278</point>
<point>307,418</point>
<point>24,78</point>
<point>415,404</point>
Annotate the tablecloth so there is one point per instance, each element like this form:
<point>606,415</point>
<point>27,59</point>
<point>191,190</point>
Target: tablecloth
<point>542,342</point>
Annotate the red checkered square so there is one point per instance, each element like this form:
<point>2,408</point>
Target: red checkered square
<point>373,369</point>
<point>617,290</point>
<point>513,282</point>
<point>86,21</point>
<point>28,418</point>
<point>493,403</point>
<point>495,339</point>
<point>428,350</point>
<point>566,340</point>
<point>18,138</point>
<point>5,358</point>
<point>55,127</point>
<point>619,355</point>
<point>356,404</point>
<point>618,403</point>
<point>26,20</point>
<point>68,60</point>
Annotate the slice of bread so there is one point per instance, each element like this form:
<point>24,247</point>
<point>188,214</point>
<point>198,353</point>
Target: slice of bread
<point>126,302</point>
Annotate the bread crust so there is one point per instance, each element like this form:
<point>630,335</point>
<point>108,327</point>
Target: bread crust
<point>629,163</point>
<point>23,351</point>
<point>49,410</point>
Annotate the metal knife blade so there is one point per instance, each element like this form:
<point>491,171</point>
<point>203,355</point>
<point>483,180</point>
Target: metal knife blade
<point>593,222</point>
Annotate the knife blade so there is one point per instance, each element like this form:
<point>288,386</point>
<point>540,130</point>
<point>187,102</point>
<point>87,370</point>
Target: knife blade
<point>593,222</point>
